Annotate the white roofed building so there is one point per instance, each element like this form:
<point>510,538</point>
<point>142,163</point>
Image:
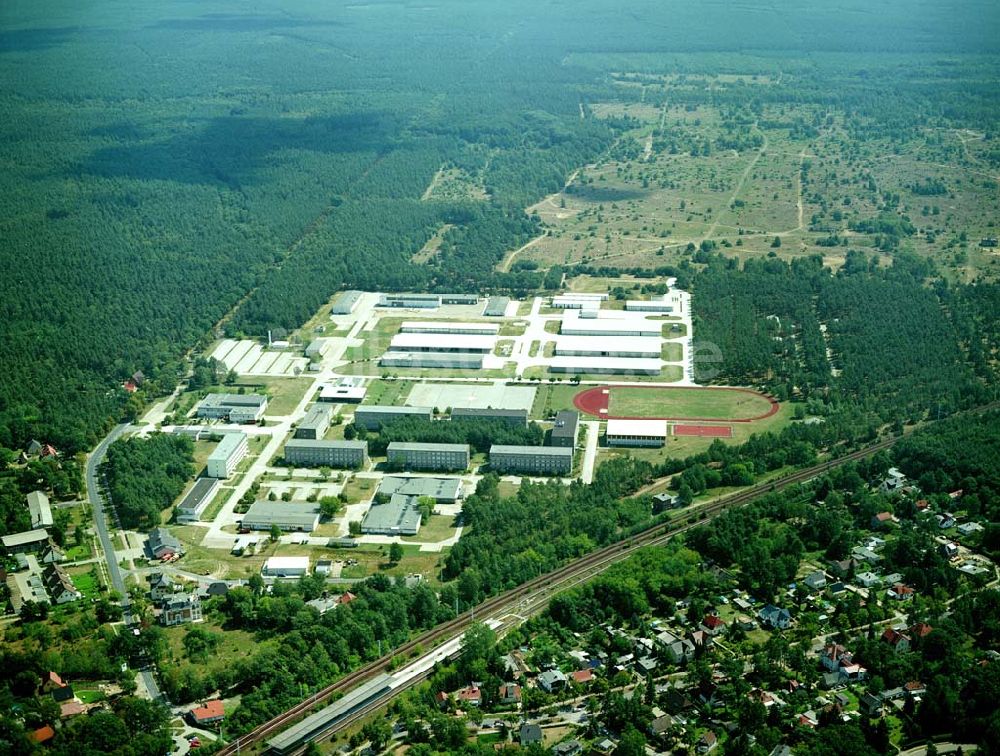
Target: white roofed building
<point>636,433</point>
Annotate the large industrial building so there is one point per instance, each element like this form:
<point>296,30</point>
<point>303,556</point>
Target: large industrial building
<point>619,365</point>
<point>199,497</point>
<point>442,490</point>
<point>636,433</point>
<point>39,510</point>
<point>578,301</point>
<point>287,515</point>
<point>286,566</point>
<point>414,456</point>
<point>316,422</point>
<point>347,390</point>
<point>346,302</point>
<point>574,325</point>
<point>25,541</point>
<point>319,453</point>
<point>442,343</point>
<point>538,460</point>
<point>227,455</point>
<point>564,429</point>
<point>660,304</point>
<point>444,326</point>
<point>517,417</point>
<point>496,307</point>
<point>453,360</point>
<point>460,299</point>
<point>236,408</point>
<point>374,416</point>
<point>609,346</point>
<point>398,516</point>
<point>412,301</point>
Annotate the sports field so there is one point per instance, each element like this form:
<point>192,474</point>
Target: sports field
<point>676,403</point>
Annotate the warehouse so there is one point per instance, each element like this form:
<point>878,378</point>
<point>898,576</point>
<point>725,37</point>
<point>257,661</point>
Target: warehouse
<point>26,541</point>
<point>316,348</point>
<point>413,456</point>
<point>227,455</point>
<point>573,325</point>
<point>346,302</point>
<point>286,566</point>
<point>636,433</point>
<point>460,299</point>
<point>287,515</point>
<point>609,346</point>
<point>196,500</point>
<point>619,365</point>
<point>496,307</point>
<point>659,304</point>
<point>345,390</point>
<point>316,422</point>
<point>442,342</point>
<point>572,303</point>
<point>39,510</point>
<point>565,428</point>
<point>539,460</point>
<point>455,360</point>
<point>443,326</point>
<point>442,490</point>
<point>518,417</point>
<point>318,453</point>
<point>236,408</point>
<point>374,416</point>
<point>415,301</point>
<point>398,516</point>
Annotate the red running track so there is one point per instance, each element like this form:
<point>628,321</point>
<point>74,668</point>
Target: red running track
<point>704,431</point>
<point>594,401</point>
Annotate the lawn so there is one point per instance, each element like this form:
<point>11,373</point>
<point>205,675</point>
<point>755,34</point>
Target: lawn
<point>388,392</point>
<point>89,696</point>
<point>724,404</point>
<point>284,394</point>
<point>436,528</point>
<point>672,352</point>
<point>359,489</point>
<point>552,398</point>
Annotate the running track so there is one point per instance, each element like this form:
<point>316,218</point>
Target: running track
<point>595,401</point>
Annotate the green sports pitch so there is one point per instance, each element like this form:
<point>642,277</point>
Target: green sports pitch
<point>688,403</point>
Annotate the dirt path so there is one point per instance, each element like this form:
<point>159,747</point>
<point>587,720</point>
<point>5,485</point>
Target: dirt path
<point>433,185</point>
<point>505,265</point>
<point>739,187</point>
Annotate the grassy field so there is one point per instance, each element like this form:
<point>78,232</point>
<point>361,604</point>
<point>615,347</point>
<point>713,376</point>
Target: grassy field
<point>388,392</point>
<point>359,489</point>
<point>686,402</point>
<point>284,394</point>
<point>672,352</point>
<point>434,529</point>
<point>552,397</point>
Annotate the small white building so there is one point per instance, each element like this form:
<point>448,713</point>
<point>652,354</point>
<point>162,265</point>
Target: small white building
<point>636,433</point>
<point>286,566</point>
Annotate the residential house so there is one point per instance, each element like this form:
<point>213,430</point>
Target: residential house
<point>844,567</point>
<point>552,680</point>
<point>901,592</point>
<point>864,554</point>
<point>949,550</point>
<point>509,694</point>
<point>894,480</point>
<point>530,734</point>
<point>646,665</point>
<point>163,545</point>
<point>63,694</point>
<point>582,676</point>
<point>900,642</point>
<point>712,624</point>
<point>51,554</point>
<point>569,748</point>
<point>42,734</point>
<point>470,695</point>
<point>872,704</point>
<point>707,743</point>
<point>59,585</point>
<point>162,587</point>
<point>780,750</point>
<point>664,501</point>
<point>945,521</point>
<point>678,650</point>
<point>914,689</point>
<point>920,630</point>
<point>867,579</point>
<point>661,725</point>
<point>180,609</point>
<point>881,520</point>
<point>775,617</point>
<point>51,681</point>
<point>208,713</point>
<point>815,581</point>
<point>968,528</point>
<point>832,655</point>
<point>71,709</point>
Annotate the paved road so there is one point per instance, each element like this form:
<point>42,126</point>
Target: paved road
<point>101,523</point>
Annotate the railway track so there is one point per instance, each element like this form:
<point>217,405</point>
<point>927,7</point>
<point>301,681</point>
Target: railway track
<point>537,589</point>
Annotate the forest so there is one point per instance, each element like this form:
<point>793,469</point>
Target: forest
<point>146,475</point>
<point>157,190</point>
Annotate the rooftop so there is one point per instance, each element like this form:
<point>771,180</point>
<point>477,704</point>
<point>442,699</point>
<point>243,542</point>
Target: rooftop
<point>400,513</point>
<point>439,488</point>
<point>540,451</point>
<point>28,536</point>
<point>227,446</point>
<point>405,446</point>
<point>656,428</point>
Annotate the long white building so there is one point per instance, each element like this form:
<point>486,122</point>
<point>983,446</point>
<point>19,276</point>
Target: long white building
<point>636,433</point>
<point>443,326</point>
<point>442,342</point>
<point>609,346</point>
<point>574,325</point>
<point>227,455</point>
<point>620,365</point>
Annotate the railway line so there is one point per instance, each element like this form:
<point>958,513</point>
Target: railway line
<point>529,597</point>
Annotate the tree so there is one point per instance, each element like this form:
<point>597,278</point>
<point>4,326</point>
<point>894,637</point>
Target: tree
<point>776,242</point>
<point>395,552</point>
<point>632,743</point>
<point>275,532</point>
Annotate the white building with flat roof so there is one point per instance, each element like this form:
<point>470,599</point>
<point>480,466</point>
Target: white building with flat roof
<point>444,326</point>
<point>227,455</point>
<point>574,325</point>
<point>636,433</point>
<point>662,304</point>
<point>605,365</point>
<point>442,342</point>
<point>286,566</point>
<point>609,346</point>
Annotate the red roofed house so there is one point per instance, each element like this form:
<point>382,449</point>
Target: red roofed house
<point>347,598</point>
<point>510,693</point>
<point>920,630</point>
<point>582,676</point>
<point>899,642</point>
<point>901,592</point>
<point>881,519</point>
<point>42,734</point>
<point>712,624</point>
<point>130,387</point>
<point>51,681</point>
<point>914,688</point>
<point>470,695</point>
<point>208,713</point>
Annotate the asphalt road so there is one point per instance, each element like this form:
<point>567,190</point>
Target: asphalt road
<point>101,523</point>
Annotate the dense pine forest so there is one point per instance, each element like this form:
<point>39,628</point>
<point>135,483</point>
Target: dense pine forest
<point>164,165</point>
